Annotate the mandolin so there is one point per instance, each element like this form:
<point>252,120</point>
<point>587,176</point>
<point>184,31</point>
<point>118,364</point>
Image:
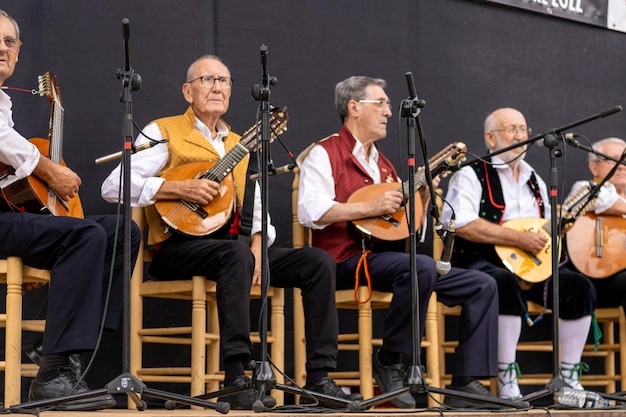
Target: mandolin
<point>596,244</point>
<point>394,226</point>
<point>31,194</point>
<point>194,219</point>
<point>537,267</point>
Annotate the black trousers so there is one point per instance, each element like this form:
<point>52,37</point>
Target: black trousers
<point>477,353</point>
<point>610,291</point>
<point>577,293</point>
<point>230,264</point>
<point>78,252</point>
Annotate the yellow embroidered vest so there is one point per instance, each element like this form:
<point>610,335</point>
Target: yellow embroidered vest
<point>186,144</point>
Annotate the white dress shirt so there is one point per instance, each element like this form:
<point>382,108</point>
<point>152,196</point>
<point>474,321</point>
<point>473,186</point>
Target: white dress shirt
<point>465,194</point>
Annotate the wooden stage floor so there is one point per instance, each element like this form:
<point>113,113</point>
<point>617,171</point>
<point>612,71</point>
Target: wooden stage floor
<point>385,412</point>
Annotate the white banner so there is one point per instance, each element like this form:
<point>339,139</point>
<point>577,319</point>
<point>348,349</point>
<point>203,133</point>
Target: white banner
<point>610,14</point>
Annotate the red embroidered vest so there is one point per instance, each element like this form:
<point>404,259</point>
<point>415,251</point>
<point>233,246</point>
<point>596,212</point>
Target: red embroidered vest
<point>341,239</point>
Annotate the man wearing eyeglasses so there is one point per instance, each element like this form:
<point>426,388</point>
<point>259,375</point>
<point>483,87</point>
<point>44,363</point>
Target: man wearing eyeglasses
<point>482,197</point>
<point>201,134</point>
<point>607,213</point>
<point>78,252</point>
<point>333,169</point>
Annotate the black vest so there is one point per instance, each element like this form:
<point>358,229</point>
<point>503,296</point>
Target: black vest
<point>491,209</point>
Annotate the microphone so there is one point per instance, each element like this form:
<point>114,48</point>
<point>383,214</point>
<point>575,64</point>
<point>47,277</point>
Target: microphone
<point>280,170</point>
<point>264,61</point>
<point>443,265</point>
<point>569,137</point>
<point>135,149</point>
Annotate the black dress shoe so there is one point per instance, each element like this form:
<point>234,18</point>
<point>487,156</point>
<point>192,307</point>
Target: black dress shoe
<point>328,387</point>
<point>391,378</point>
<point>63,386</point>
<point>473,387</point>
<point>243,400</point>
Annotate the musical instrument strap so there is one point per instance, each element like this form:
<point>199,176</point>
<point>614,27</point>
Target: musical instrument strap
<point>357,275</point>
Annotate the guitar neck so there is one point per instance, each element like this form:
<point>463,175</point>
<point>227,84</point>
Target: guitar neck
<point>419,181</point>
<point>223,167</point>
<point>56,132</point>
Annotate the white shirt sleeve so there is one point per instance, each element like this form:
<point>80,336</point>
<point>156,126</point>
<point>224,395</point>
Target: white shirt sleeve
<point>316,189</point>
<point>606,198</point>
<point>145,166</point>
<point>464,193</point>
<point>15,150</point>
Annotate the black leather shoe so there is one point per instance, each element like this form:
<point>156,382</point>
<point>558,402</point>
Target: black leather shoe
<point>63,386</point>
<point>243,400</point>
<point>328,387</point>
<point>473,387</point>
<point>391,378</point>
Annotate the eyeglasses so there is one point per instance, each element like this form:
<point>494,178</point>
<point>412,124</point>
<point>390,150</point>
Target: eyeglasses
<point>208,81</point>
<point>511,130</point>
<point>12,43</point>
<point>380,103</point>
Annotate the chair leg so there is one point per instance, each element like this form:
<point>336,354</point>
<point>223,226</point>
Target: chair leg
<point>622,348</point>
<point>365,345</point>
<point>13,343</point>
<point>278,346</point>
<point>198,333</point>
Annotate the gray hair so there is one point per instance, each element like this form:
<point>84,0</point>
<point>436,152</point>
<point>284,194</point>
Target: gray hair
<point>597,147</point>
<point>6,15</point>
<point>353,88</point>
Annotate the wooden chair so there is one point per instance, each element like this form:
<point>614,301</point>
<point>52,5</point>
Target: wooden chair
<point>362,341</point>
<point>14,273</point>
<point>204,374</point>
<point>609,350</point>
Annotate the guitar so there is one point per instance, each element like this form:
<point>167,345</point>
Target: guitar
<point>194,219</point>
<point>394,226</point>
<point>537,267</point>
<point>32,194</point>
<point>596,244</point>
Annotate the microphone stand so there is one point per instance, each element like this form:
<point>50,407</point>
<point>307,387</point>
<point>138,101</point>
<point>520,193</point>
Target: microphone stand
<point>264,377</point>
<point>126,383</point>
<point>551,139</point>
<point>414,380</point>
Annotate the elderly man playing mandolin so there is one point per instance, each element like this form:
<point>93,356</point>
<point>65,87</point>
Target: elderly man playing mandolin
<point>603,260</point>
<point>487,199</point>
<point>337,167</point>
<point>226,253</point>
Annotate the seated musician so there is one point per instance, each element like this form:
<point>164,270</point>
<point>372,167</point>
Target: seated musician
<point>610,208</point>
<point>227,255</point>
<point>76,250</point>
<point>338,166</point>
<point>487,194</point>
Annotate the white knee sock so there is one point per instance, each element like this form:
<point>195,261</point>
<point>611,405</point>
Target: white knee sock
<point>572,337</point>
<point>509,331</point>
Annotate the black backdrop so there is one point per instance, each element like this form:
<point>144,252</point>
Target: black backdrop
<point>468,58</point>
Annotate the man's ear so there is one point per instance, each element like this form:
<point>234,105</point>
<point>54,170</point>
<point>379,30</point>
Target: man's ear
<point>186,89</point>
<point>490,140</point>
